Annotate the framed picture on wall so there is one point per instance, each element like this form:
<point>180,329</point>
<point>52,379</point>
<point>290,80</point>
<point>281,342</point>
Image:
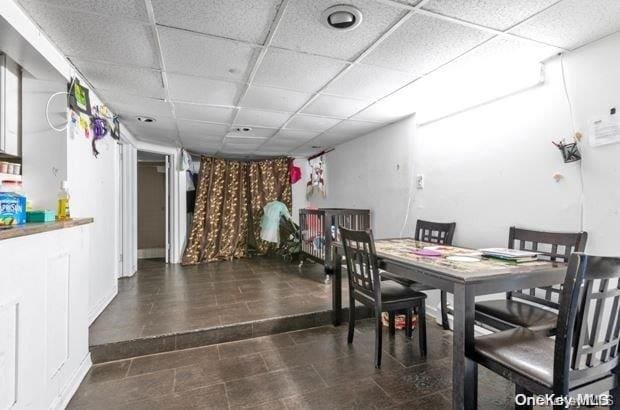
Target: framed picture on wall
<point>79,98</point>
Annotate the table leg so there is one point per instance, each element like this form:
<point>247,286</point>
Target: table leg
<point>337,289</point>
<point>464,370</point>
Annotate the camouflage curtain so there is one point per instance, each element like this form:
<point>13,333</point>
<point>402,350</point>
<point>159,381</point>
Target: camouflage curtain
<point>229,200</point>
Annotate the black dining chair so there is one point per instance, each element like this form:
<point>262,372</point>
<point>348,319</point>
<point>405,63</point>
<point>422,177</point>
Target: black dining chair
<point>519,307</point>
<point>441,234</point>
<point>583,357</point>
<point>366,287</point>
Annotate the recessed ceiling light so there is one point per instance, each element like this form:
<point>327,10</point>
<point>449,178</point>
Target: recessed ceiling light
<point>243,129</point>
<point>342,17</point>
<point>145,119</point>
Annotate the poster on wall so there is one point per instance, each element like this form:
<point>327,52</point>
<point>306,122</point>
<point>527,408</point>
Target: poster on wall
<point>316,182</point>
<point>605,131</point>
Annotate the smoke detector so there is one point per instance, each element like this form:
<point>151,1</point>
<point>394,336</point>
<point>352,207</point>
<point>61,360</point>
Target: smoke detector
<point>342,17</point>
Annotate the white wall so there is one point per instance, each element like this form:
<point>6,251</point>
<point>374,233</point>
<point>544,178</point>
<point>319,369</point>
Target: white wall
<point>491,167</point>
<point>372,172</point>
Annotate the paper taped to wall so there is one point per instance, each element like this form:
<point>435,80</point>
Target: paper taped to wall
<point>604,131</point>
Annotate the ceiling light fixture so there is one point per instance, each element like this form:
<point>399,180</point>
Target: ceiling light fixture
<point>342,17</point>
<point>242,129</point>
<point>146,119</point>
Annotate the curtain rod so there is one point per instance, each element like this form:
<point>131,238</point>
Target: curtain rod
<point>320,153</point>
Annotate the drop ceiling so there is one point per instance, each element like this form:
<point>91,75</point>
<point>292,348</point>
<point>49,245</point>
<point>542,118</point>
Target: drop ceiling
<point>205,68</point>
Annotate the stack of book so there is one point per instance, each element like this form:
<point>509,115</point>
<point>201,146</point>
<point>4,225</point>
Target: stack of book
<point>512,255</point>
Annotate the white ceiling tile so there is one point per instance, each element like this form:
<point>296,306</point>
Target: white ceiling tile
<point>126,9</point>
<point>204,147</point>
<point>573,23</point>
<point>254,133</point>
<point>202,90</point>
<point>295,135</point>
<point>282,144</point>
<point>204,113</point>
<point>497,14</point>
<point>311,123</point>
<point>371,82</point>
<point>89,36</point>
<point>424,43</point>
<point>296,71</point>
<point>236,19</point>
<point>250,117</point>
<point>301,28</point>
<point>274,99</point>
<point>332,106</point>
<point>192,53</point>
<point>349,128</point>
<point>131,105</point>
<point>201,130</point>
<point>391,108</point>
<point>163,129</point>
<point>145,82</point>
<point>331,140</point>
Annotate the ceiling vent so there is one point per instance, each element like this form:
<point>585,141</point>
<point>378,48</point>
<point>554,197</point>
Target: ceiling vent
<point>342,17</point>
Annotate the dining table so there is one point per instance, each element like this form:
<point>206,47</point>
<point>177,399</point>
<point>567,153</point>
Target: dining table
<point>462,272</point>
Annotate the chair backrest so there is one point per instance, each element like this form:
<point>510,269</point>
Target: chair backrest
<point>553,246</point>
<point>362,268</point>
<point>586,345</point>
<point>434,232</point>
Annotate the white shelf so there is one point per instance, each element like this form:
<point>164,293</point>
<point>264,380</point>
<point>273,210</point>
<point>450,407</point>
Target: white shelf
<point>10,177</point>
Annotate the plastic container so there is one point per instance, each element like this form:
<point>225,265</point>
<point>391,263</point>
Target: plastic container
<point>63,213</point>
<point>10,168</point>
<point>4,167</point>
<point>17,169</point>
<point>12,204</point>
<point>40,216</point>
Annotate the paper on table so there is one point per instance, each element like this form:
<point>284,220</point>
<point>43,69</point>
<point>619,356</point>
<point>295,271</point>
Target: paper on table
<point>604,131</point>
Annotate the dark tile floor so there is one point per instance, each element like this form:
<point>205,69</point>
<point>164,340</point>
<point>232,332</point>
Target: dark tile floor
<point>169,307</point>
<point>312,368</point>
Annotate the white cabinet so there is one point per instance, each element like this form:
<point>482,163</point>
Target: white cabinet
<point>10,106</point>
<point>43,318</point>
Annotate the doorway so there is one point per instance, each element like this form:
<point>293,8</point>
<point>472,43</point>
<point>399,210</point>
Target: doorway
<point>153,204</point>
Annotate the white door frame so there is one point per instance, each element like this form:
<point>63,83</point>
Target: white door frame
<point>177,212</point>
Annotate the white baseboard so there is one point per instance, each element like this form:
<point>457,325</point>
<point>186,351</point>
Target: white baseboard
<point>96,310</point>
<point>71,387</point>
<point>151,253</point>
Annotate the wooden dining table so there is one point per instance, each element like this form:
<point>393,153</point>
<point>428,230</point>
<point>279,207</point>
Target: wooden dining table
<point>460,272</point>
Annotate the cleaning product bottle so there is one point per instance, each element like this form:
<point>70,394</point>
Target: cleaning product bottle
<point>63,213</point>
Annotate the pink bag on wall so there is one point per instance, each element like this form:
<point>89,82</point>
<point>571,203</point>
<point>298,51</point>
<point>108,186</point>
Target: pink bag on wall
<point>295,173</point>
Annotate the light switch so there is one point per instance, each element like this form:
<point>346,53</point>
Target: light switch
<point>419,181</point>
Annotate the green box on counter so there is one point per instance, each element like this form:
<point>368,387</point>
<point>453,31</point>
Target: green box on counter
<point>40,216</point>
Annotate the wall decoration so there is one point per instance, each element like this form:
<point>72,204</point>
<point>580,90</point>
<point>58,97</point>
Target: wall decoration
<point>570,151</point>
<point>316,184</point>
<point>79,98</point>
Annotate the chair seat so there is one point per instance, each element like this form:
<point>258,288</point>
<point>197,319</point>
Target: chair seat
<point>519,314</point>
<point>520,350</point>
<point>393,292</point>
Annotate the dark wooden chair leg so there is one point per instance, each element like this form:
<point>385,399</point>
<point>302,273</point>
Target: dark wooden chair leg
<point>422,328</point>
<point>392,323</point>
<point>521,391</point>
<point>445,323</point>
<point>408,323</point>
<point>378,338</point>
<point>351,317</point>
